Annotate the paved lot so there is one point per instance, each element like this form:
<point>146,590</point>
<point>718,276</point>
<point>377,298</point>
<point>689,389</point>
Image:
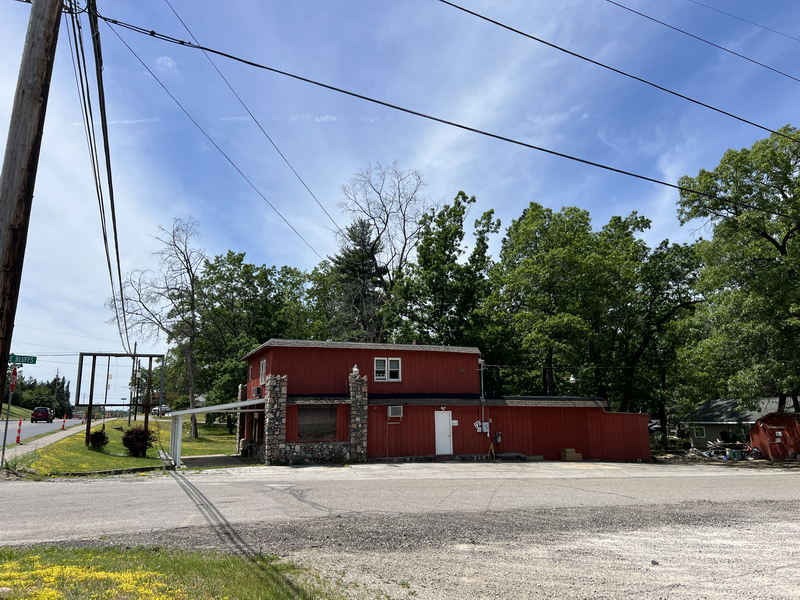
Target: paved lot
<point>531,530</point>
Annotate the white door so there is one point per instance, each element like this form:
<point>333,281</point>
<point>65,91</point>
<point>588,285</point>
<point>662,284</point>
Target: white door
<point>444,432</point>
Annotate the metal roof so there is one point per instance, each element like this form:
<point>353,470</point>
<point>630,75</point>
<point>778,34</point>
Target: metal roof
<point>280,343</point>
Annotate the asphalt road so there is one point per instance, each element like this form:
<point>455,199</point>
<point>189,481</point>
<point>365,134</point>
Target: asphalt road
<point>454,530</point>
<point>29,429</point>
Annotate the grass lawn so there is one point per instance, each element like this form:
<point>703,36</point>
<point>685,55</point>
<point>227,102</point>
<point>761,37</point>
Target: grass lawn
<point>17,413</point>
<point>70,455</point>
<point>51,573</point>
<point>214,439</point>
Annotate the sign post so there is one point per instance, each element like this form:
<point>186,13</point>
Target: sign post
<point>12,385</point>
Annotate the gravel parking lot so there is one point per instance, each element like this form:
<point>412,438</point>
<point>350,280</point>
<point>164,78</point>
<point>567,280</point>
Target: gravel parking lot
<point>482,531</point>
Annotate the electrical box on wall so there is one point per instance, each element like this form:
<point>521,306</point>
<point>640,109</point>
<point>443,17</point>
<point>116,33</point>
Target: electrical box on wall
<point>257,392</point>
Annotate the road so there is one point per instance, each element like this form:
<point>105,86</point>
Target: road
<point>456,530</point>
<point>29,429</point>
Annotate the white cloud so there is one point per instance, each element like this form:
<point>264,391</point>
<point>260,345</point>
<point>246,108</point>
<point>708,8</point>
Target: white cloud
<point>165,64</point>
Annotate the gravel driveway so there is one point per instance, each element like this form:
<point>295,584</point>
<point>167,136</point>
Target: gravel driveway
<point>557,533</point>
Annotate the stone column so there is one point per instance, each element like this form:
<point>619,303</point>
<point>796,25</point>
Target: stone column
<point>275,421</point>
<point>358,416</point>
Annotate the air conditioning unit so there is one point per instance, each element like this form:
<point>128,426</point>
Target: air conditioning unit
<point>257,391</point>
<point>395,412</point>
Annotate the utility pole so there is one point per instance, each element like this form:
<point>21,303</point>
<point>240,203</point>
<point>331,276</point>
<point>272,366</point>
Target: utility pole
<point>21,160</point>
<point>55,391</point>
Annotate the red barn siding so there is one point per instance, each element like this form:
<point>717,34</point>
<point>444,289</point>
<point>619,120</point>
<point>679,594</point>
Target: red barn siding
<point>313,371</point>
<point>526,430</point>
<point>762,435</point>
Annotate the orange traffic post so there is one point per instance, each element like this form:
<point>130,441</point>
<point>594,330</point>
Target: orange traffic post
<point>19,431</point>
<point>64,422</point>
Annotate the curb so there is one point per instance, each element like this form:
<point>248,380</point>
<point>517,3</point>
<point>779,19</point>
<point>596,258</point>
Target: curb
<point>110,472</point>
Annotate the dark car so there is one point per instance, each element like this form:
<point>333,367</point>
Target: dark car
<point>40,413</point>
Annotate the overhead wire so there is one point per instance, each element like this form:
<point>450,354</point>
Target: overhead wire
<point>75,39</point>
<point>770,29</point>
<point>255,120</point>
<point>616,70</point>
<point>101,102</point>
<point>705,41</point>
<point>214,143</point>
<point>173,40</point>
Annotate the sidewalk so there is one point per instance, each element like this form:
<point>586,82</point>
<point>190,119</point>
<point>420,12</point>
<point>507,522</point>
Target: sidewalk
<point>29,446</point>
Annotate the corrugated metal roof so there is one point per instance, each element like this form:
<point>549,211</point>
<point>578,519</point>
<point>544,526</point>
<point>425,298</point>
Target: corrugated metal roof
<point>280,343</point>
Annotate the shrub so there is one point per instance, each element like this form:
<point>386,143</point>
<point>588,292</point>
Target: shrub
<point>138,439</point>
<point>98,438</point>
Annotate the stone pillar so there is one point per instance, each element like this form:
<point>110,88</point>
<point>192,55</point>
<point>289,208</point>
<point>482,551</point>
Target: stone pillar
<point>275,421</point>
<point>358,416</point>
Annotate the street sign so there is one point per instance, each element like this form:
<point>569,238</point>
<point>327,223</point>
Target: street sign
<point>19,358</point>
<point>13,384</point>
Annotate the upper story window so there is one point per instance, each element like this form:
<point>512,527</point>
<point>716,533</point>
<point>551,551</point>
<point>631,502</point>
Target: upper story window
<point>262,372</point>
<point>388,369</point>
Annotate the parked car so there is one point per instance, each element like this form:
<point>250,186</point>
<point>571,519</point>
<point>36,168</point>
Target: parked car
<point>41,413</point>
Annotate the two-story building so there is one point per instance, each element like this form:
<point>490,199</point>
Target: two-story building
<point>346,402</point>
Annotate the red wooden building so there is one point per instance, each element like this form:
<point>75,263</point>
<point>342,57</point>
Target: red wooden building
<point>777,435</point>
<point>412,401</point>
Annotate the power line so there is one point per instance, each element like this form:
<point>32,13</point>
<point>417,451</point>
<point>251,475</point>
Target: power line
<point>75,38</point>
<point>786,35</point>
<point>211,140</point>
<point>177,41</point>
<point>615,70</point>
<point>101,101</point>
<point>255,120</point>
<point>705,41</point>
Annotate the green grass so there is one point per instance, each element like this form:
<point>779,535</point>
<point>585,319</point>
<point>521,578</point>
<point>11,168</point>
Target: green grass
<point>70,455</point>
<point>214,439</point>
<point>50,573</point>
<point>17,413</point>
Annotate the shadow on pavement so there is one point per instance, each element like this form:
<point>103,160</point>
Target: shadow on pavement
<point>228,535</point>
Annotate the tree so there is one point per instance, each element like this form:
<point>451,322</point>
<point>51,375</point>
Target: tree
<point>390,200</point>
<point>438,299</point>
<point>349,290</point>
<point>751,200</point>
<point>241,305</point>
<point>165,302</point>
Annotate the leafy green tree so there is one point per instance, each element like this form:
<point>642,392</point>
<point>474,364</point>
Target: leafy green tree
<point>240,305</point>
<point>751,200</point>
<point>438,300</point>
<point>349,289</point>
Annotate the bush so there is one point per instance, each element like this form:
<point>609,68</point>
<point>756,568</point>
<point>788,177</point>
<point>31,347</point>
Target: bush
<point>98,438</point>
<point>138,439</point>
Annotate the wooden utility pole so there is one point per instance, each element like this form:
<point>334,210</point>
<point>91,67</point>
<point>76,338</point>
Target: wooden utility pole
<point>22,159</point>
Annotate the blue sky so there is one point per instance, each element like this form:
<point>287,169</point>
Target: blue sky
<point>418,53</point>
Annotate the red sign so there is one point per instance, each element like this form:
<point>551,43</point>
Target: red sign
<point>12,386</point>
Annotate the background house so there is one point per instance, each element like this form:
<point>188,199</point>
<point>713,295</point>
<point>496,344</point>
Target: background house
<point>346,401</point>
<point>725,420</point>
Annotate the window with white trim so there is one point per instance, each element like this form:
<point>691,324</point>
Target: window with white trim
<point>699,432</point>
<point>262,372</point>
<point>388,369</point>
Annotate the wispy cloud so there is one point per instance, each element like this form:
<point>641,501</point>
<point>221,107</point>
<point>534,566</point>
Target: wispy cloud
<point>133,121</point>
<point>165,64</point>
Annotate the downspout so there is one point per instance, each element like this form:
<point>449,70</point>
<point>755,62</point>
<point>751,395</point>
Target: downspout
<point>482,364</point>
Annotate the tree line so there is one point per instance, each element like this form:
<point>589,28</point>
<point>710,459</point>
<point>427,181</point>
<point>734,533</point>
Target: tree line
<point>567,307</point>
<point>31,393</point>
